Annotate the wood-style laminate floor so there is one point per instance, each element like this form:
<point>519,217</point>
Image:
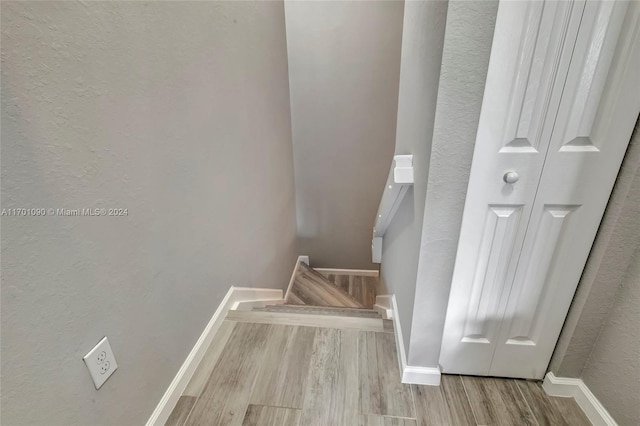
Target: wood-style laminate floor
<point>277,374</point>
<point>311,287</point>
<point>363,288</point>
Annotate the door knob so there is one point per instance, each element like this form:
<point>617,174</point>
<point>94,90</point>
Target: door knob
<point>511,177</point>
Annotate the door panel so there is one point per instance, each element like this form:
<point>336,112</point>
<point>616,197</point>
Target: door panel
<point>513,134</point>
<point>525,326</point>
<point>498,238</point>
<point>594,51</point>
<point>534,42</point>
<point>551,96</point>
<point>597,113</point>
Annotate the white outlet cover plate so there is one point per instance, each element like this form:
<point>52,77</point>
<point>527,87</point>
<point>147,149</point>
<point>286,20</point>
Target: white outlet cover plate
<point>101,362</point>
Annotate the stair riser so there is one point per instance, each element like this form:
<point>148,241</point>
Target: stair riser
<point>325,321</point>
<point>321,311</point>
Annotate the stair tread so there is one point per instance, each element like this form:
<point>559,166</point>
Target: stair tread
<point>341,308</point>
<point>309,320</point>
<point>321,310</point>
<point>312,288</point>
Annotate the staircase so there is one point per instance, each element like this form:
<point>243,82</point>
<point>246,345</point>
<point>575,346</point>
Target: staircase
<point>310,287</point>
<point>334,299</point>
<point>320,356</point>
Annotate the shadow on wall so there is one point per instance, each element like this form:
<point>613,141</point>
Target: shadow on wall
<point>399,229</point>
<point>343,82</point>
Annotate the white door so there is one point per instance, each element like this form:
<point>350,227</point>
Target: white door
<point>557,115</point>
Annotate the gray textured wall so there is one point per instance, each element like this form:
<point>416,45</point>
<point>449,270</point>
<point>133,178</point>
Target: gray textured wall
<point>344,63</point>
<point>613,370</point>
<point>422,40</point>
<point>178,111</point>
<point>600,340</point>
<point>465,58</point>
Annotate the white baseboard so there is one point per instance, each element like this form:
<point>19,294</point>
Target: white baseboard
<point>383,306</point>
<point>247,305</point>
<point>429,376</point>
<point>360,272</point>
<point>410,373</point>
<point>576,388</point>
<point>235,297</point>
<point>303,259</point>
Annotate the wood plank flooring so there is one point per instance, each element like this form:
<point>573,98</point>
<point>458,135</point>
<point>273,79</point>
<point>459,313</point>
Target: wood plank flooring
<point>381,389</point>
<point>363,288</point>
<point>309,320</point>
<point>339,288</point>
<point>497,401</point>
<point>293,375</point>
<point>312,288</point>
<point>549,410</point>
<point>373,420</point>
<point>225,398</point>
<point>202,373</point>
<point>181,411</point>
<point>321,310</point>
<point>446,404</point>
<point>289,355</point>
<point>260,415</point>
<point>331,395</point>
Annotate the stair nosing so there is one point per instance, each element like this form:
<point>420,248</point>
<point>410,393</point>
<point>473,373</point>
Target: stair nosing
<point>319,310</point>
<point>349,308</point>
<point>308,320</point>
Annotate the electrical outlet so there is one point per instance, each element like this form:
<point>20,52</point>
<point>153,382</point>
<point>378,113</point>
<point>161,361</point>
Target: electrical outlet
<point>101,362</point>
